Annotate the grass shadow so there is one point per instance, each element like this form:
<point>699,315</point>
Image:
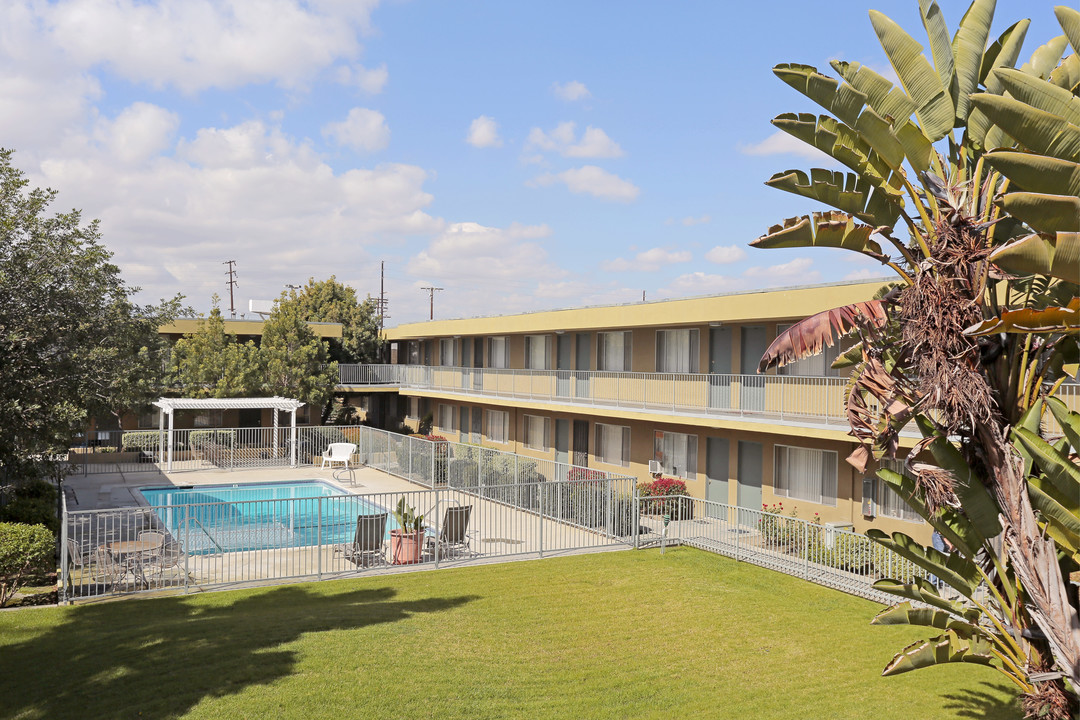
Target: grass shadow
<point>982,705</point>
<point>158,658</point>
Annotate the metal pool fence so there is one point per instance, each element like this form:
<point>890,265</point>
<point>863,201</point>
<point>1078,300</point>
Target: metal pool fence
<point>205,544</point>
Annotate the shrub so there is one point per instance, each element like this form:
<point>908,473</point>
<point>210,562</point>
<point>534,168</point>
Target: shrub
<point>659,500</point>
<point>778,530</point>
<point>463,473</point>
<point>139,440</point>
<point>33,503</point>
<point>199,440</point>
<point>25,551</point>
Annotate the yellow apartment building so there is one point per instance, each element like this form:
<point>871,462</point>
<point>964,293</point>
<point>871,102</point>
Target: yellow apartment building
<point>668,386</point>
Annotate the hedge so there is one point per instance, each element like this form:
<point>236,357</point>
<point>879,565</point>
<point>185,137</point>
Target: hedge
<point>25,551</point>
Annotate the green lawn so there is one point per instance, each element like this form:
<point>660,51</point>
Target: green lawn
<point>615,635</point>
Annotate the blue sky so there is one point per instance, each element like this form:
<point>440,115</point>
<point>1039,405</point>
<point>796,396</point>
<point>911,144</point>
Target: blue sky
<point>519,155</point>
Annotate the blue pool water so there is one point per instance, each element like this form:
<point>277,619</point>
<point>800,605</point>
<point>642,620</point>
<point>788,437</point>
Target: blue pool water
<point>225,518</point>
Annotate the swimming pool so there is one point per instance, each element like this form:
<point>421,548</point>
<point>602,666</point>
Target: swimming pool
<point>208,519</point>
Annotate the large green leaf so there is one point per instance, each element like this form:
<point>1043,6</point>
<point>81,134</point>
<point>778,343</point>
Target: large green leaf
<point>941,649</point>
<point>957,571</point>
<point>1044,213</point>
<point>1069,19</point>
<point>1037,130</point>
<point>933,105</point>
<point>1031,419</point>
<point>1057,255</point>
<point>1062,522</point>
<point>822,229</point>
<point>844,191</point>
<point>1040,94</point>
<point>940,45</point>
<point>1037,173</point>
<point>967,48</point>
<point>842,143</point>
<point>1056,465</point>
<point>974,498</point>
<point>953,526</point>
<point>1067,75</point>
<point>1002,54</point>
<point>922,591</point>
<point>1067,419</point>
<point>849,106</point>
<point>906,614</point>
<point>1046,57</point>
<point>1031,320</point>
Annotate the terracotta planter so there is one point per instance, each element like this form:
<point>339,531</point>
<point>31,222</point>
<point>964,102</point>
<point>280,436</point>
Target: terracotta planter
<point>405,547</point>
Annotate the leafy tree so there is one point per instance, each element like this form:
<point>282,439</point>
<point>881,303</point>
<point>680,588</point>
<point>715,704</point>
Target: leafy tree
<point>331,301</point>
<point>69,333</point>
<point>980,163</point>
<point>294,360</point>
<point>213,363</point>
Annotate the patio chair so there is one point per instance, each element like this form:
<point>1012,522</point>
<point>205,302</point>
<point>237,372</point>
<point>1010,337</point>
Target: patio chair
<point>454,537</point>
<point>368,547</point>
<point>149,561</point>
<point>338,452</point>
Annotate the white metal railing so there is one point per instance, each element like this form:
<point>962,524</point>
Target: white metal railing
<point>780,396</point>
<point>833,557</point>
<point>203,541</point>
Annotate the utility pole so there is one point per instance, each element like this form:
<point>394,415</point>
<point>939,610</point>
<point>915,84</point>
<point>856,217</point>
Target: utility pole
<point>382,295</point>
<point>231,272</point>
<point>431,298</point>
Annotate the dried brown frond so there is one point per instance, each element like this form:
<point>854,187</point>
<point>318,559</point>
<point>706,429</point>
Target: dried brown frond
<point>934,313</point>
<point>936,486</point>
<point>1049,702</point>
<point>807,337</point>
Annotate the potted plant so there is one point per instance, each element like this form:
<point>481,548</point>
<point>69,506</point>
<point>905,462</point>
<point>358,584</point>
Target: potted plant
<point>406,542</point>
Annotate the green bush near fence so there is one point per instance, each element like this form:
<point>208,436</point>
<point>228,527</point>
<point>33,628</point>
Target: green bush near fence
<point>201,440</point>
<point>25,551</point>
<point>145,440</point>
<point>32,503</point>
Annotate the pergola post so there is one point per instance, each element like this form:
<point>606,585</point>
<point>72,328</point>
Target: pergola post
<point>161,437</point>
<point>292,438</point>
<point>168,466</point>
<point>273,442</point>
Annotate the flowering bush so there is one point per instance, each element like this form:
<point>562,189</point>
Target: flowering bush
<point>653,494</point>
<point>777,529</point>
<point>580,473</point>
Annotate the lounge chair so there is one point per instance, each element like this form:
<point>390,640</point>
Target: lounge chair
<point>338,452</point>
<point>454,539</point>
<point>368,547</point>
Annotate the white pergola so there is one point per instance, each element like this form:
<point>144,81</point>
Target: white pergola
<point>169,406</point>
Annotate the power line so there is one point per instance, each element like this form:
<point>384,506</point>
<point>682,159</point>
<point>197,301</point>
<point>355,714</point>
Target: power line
<point>231,272</point>
<point>431,298</point>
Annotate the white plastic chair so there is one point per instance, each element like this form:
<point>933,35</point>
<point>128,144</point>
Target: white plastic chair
<point>338,452</point>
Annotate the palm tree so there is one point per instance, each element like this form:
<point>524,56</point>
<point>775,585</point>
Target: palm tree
<point>980,163</point>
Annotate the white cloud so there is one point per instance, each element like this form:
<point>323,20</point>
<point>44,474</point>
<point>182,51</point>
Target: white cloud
<point>371,81</point>
<point>484,133</point>
<point>725,254</point>
<point>139,132</point>
<point>594,142</point>
<point>571,91</point>
<point>863,274</point>
<point>781,143</point>
<point>591,180</point>
<point>797,268</point>
<point>363,129</point>
<point>699,283</point>
<point>198,44</point>
<point>691,221</point>
<point>652,259</point>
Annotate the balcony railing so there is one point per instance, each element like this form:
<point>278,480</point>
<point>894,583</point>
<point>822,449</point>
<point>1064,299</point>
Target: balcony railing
<point>784,397</point>
<point>816,399</point>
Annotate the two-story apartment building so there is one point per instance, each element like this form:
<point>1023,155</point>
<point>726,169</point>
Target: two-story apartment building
<point>668,386</point>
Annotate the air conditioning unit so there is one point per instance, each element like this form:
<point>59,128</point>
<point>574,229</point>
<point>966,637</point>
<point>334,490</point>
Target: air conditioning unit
<point>655,467</point>
<point>830,531</point>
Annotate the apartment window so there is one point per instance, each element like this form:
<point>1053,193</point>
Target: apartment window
<point>887,502</point>
<point>446,418</point>
<point>209,419</point>
<point>613,444</point>
<point>613,351</point>
<point>149,419</point>
<point>538,352</point>
<point>819,365</point>
<point>805,474</point>
<point>537,432</point>
<point>676,453</point>
<point>447,357</point>
<point>498,426</point>
<point>414,407</point>
<point>499,352</point>
<point>677,351</point>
